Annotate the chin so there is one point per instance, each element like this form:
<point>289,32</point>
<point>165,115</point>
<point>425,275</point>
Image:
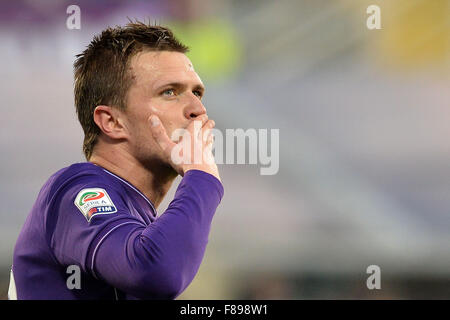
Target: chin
<point>157,164</point>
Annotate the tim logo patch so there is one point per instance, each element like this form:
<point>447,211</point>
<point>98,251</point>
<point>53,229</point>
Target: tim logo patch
<point>94,201</point>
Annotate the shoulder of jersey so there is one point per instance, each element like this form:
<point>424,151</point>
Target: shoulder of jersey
<point>94,201</point>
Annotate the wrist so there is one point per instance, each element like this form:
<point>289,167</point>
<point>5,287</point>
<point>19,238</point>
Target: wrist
<point>212,171</point>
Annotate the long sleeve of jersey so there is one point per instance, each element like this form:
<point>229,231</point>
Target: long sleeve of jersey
<point>156,260</point>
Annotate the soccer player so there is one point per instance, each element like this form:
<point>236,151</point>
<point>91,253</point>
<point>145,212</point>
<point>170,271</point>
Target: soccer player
<point>134,87</point>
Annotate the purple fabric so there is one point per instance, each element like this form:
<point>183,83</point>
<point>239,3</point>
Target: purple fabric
<point>128,254</point>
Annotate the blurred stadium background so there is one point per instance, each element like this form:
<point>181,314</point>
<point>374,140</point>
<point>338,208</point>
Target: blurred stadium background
<point>364,123</point>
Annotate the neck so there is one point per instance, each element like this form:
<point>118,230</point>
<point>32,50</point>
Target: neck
<point>153,179</point>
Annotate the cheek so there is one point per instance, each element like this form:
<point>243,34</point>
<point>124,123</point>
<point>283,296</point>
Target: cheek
<point>166,116</point>
<point>155,110</point>
<point>171,114</point>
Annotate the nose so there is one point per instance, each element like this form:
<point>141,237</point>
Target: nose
<point>194,108</point>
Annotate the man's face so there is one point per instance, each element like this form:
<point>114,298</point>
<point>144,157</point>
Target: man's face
<point>165,84</point>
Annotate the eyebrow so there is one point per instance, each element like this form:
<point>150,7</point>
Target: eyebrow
<point>179,85</point>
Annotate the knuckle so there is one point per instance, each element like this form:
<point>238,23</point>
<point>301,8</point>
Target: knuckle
<point>158,132</point>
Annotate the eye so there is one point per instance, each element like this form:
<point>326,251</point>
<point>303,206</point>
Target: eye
<point>169,92</point>
<point>199,94</point>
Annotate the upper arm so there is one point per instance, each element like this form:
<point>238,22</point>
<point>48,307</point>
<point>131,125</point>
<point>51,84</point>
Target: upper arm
<point>81,217</point>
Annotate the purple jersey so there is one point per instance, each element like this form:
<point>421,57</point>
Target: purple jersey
<point>89,219</point>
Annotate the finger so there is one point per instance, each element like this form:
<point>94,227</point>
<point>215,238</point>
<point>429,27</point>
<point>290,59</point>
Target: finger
<point>209,124</point>
<point>207,130</point>
<point>159,134</point>
<point>209,138</point>
<point>202,119</point>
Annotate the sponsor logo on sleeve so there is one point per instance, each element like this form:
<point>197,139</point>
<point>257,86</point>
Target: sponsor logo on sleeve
<point>94,201</point>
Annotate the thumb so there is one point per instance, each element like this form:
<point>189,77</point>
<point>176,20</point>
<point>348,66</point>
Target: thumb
<point>160,135</point>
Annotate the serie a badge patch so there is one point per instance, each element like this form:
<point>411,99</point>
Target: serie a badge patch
<point>94,201</point>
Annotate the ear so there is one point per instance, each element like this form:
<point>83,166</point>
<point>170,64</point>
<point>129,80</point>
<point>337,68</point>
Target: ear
<point>110,122</point>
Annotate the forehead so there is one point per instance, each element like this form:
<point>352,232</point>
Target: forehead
<point>163,66</point>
